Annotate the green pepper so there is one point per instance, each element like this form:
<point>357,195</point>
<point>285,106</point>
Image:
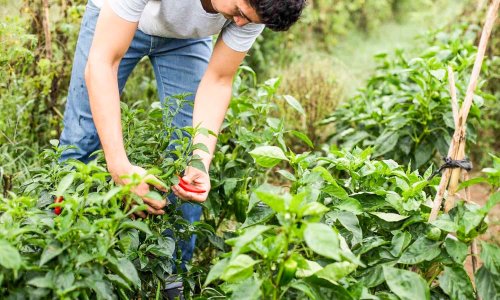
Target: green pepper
<point>289,269</point>
<point>434,234</point>
<point>241,200</point>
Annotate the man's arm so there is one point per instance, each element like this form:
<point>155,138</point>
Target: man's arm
<point>112,38</point>
<point>211,102</point>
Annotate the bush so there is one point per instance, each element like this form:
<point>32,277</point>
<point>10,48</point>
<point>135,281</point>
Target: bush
<point>405,110</point>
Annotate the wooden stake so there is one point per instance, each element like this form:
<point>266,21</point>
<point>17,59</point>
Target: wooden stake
<point>453,93</point>
<point>457,146</point>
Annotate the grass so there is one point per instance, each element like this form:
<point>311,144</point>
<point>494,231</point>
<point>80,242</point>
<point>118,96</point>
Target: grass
<point>352,58</point>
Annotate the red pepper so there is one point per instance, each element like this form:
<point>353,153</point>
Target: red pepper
<point>188,187</point>
<point>57,210</point>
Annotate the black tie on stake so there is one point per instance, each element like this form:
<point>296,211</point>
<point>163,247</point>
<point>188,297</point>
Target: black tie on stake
<point>449,163</point>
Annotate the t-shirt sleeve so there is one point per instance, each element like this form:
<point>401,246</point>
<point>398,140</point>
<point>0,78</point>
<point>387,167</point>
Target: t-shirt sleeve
<point>129,10</point>
<point>241,38</point>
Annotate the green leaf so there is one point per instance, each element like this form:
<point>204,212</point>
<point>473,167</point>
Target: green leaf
<point>350,222</point>
<point>247,237</point>
<point>350,205</point>
<point>423,153</point>
<point>389,217</point>
<point>248,289</point>
<point>438,74</point>
<point>118,281</point>
<point>42,282</point>
<point>303,137</point>
<point>490,255</point>
<point>154,196</point>
<point>421,250</point>
<point>456,249</point>
<point>9,256</point>
<point>487,284</point>
<point>325,174</point>
<point>400,241</point>
<point>54,142</point>
<point>313,209</point>
<point>305,288</point>
<point>444,223</point>
<point>52,250</point>
<point>456,283</point>
<point>373,276</point>
<point>111,193</point>
<point>335,190</point>
<point>295,104</point>
<point>336,271</point>
<point>276,202</point>
<point>307,268</point>
<point>65,183</point>
<point>258,215</point>
<point>155,182</point>
<point>492,201</point>
<point>103,289</point>
<point>202,147</point>
<point>385,143</point>
<point>239,268</point>
<point>287,175</point>
<point>406,285</point>
<point>322,240</point>
<point>268,156</point>
<point>139,225</point>
<point>128,272</point>
<point>471,182</point>
<point>216,271</point>
<point>198,164</point>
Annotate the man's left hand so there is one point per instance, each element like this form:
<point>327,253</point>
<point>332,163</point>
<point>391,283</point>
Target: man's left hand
<point>199,180</point>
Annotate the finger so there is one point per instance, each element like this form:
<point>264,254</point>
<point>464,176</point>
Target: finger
<point>156,204</point>
<point>140,214</point>
<point>199,197</point>
<point>181,193</point>
<point>154,211</point>
<point>137,212</point>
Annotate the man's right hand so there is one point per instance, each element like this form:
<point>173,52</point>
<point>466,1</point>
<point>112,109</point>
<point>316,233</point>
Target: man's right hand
<point>154,207</point>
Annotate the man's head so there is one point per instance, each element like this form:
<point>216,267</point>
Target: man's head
<point>277,15</point>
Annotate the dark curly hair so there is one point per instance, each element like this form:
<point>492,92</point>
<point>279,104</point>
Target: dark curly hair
<point>278,15</point>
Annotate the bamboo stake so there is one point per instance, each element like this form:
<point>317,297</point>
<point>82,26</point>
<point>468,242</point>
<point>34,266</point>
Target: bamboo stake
<point>453,93</point>
<point>473,246</point>
<point>457,146</point>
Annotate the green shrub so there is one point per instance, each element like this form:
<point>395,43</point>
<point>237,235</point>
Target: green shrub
<point>404,112</point>
<point>351,226</point>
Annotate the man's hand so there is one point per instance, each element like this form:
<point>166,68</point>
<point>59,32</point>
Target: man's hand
<point>153,206</point>
<point>199,180</point>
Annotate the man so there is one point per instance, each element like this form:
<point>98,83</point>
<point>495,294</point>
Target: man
<point>176,36</point>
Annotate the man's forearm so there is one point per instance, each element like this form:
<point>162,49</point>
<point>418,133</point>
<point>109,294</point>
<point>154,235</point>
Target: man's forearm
<point>212,99</point>
<point>104,100</point>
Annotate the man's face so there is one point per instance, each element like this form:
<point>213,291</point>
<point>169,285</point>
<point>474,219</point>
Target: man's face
<point>239,11</point>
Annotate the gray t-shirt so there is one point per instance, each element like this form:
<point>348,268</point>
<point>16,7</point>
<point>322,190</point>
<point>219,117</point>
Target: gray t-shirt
<point>183,19</point>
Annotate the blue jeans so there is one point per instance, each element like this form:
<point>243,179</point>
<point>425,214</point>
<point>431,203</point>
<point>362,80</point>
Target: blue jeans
<point>178,64</point>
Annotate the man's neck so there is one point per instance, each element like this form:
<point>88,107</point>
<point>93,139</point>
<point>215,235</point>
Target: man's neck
<point>207,6</point>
